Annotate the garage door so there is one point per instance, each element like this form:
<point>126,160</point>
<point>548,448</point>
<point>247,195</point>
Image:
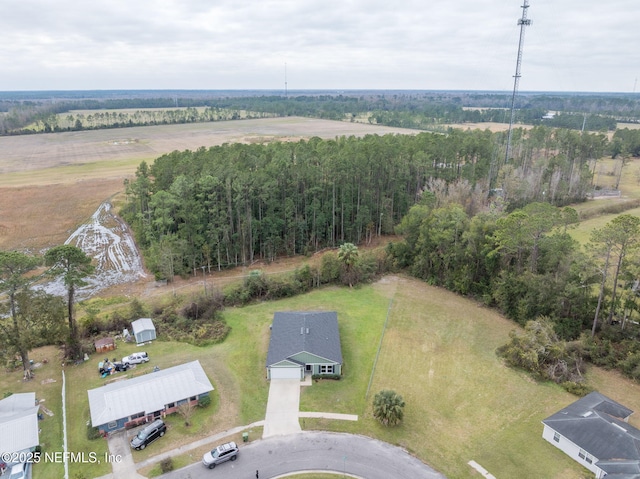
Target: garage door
<point>285,373</point>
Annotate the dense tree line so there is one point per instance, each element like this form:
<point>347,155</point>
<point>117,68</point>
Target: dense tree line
<point>30,317</point>
<point>234,204</point>
<point>526,264</point>
<point>411,109</point>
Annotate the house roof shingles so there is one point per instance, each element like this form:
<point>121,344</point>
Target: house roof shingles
<point>147,393</point>
<point>596,424</point>
<point>314,332</point>
<point>19,422</point>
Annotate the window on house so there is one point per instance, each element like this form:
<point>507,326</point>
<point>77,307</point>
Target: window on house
<point>112,425</point>
<point>326,369</point>
<point>170,405</point>
<point>556,437</point>
<point>582,454</point>
<point>136,416</point>
<point>192,398</point>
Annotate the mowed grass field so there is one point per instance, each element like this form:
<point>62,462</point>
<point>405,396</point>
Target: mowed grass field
<point>630,192</point>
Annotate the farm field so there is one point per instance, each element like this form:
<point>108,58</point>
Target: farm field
<point>51,183</point>
<point>126,147</point>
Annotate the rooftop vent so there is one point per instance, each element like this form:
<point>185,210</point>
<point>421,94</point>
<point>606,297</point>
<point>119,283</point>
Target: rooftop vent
<point>619,427</point>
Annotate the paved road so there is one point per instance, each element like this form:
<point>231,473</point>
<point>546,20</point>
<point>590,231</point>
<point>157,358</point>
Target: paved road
<point>321,451</point>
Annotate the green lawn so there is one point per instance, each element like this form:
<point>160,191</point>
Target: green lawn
<point>462,403</point>
<point>49,393</point>
<point>438,352</point>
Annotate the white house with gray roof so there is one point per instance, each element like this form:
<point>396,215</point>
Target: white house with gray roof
<point>594,432</point>
<point>304,342</point>
<point>145,398</point>
<point>19,429</point>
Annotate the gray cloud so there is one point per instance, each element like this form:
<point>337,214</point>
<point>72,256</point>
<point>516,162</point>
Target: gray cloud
<point>583,45</point>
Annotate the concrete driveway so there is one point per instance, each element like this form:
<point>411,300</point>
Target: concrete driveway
<point>124,467</point>
<point>282,408</point>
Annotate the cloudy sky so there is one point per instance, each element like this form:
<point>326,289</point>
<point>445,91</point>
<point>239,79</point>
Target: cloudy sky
<point>572,45</point>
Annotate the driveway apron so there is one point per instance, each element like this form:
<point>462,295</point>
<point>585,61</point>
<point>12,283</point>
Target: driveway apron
<point>282,408</point>
<point>124,468</point>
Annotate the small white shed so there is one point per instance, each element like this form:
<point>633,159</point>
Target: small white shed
<point>143,330</point>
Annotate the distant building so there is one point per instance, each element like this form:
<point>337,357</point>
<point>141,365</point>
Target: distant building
<point>550,115</point>
<point>594,432</point>
<point>144,398</point>
<point>19,429</point>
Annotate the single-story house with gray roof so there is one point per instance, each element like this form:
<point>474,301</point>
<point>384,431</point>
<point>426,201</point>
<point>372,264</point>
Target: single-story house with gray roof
<point>19,428</point>
<point>594,431</point>
<point>134,401</point>
<point>304,342</point>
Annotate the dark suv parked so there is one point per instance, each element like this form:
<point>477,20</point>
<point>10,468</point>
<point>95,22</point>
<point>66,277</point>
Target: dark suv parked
<point>148,434</point>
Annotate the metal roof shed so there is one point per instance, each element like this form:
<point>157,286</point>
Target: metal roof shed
<point>143,330</point>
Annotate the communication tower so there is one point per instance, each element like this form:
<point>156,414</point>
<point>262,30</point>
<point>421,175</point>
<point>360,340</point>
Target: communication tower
<point>523,22</point>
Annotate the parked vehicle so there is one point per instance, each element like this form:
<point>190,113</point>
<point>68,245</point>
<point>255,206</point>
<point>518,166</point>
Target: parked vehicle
<point>148,434</point>
<point>222,453</point>
<point>19,471</point>
<point>135,358</point>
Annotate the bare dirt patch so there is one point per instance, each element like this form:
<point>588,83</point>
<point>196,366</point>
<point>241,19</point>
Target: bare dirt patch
<point>33,218</point>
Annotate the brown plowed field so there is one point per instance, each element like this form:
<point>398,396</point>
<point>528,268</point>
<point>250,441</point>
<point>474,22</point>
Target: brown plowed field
<point>51,183</point>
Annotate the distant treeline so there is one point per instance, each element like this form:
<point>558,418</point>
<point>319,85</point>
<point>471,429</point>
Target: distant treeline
<point>421,110</point>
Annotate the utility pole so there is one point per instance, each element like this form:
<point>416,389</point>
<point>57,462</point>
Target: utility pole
<point>523,22</point>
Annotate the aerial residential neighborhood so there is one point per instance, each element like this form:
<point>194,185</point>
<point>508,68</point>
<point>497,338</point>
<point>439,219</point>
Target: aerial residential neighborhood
<point>309,240</point>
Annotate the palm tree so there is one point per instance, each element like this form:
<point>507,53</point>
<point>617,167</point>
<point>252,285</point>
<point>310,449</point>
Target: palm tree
<point>388,407</point>
<point>348,254</point>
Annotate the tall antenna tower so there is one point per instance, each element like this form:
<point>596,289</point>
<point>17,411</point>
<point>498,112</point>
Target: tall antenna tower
<point>523,22</point>
<point>285,80</point>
